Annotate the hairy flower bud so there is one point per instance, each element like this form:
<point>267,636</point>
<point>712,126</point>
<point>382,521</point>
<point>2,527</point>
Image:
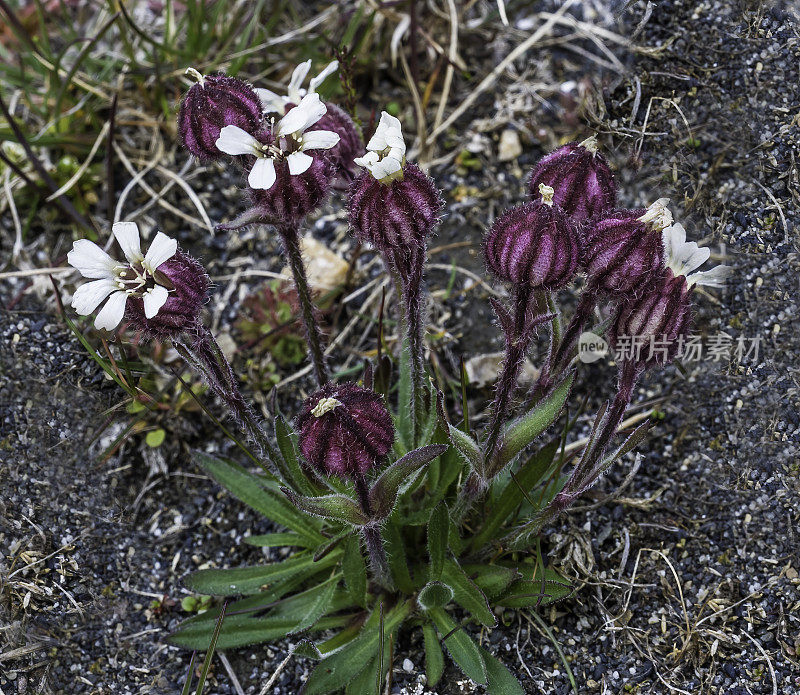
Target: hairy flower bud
<point>653,323</point>
<point>620,250</point>
<point>212,103</point>
<point>582,180</point>
<point>345,430</point>
<point>188,286</point>
<point>394,214</point>
<point>534,244</point>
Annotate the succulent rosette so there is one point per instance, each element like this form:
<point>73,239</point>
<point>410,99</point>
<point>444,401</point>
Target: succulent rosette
<point>213,102</point>
<point>345,430</point>
<point>160,292</point>
<point>581,178</point>
<point>533,244</point>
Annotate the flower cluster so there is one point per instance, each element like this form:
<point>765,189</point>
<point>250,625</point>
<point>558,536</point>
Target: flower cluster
<point>379,462</point>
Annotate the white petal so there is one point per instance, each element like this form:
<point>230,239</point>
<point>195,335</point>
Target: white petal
<point>91,260</point>
<point>262,175</point>
<point>153,300</point>
<point>270,101</point>
<point>161,249</point>
<point>319,140</point>
<point>89,295</point>
<point>299,162</point>
<point>388,134</point>
<point>385,167</point>
<point>715,277</point>
<point>688,257</point>
<point>305,114</point>
<point>367,160</point>
<point>319,79</point>
<point>233,140</point>
<point>113,311</point>
<point>127,236</point>
<point>297,78</point>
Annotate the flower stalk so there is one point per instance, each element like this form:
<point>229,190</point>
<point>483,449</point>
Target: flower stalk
<point>372,536</point>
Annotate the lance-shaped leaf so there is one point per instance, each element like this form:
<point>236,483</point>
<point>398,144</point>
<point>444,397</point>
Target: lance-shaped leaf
<point>434,595</point>
<point>633,440</point>
<point>434,658</point>
<point>526,429</point>
<point>501,680</point>
<point>335,507</point>
<point>438,531</point>
<point>460,645</point>
<point>468,448</point>
<point>291,469</point>
<point>492,580</point>
<point>383,494</point>
<point>354,570</point>
<point>467,594</point>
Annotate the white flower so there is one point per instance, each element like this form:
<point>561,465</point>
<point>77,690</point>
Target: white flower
<point>386,150</point>
<point>136,278</point>
<point>658,214</point>
<point>682,257</point>
<point>291,143</point>
<point>275,103</point>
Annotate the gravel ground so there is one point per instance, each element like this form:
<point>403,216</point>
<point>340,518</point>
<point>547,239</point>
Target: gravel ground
<point>687,581</point>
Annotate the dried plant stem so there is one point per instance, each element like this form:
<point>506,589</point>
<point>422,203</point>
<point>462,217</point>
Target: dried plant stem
<point>291,243</point>
<point>201,350</point>
<point>372,536</point>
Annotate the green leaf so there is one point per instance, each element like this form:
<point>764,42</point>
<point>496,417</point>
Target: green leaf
<point>278,540</point>
<point>336,670</point>
<point>528,477</point>
<point>403,420</point>
<point>355,571</point>
<point>468,595</point>
<point>501,680</point>
<point>336,507</point>
<point>366,682</point>
<point>492,580</point>
<point>396,553</point>
<point>155,438</point>
<point>460,646</point>
<point>438,529</point>
<point>251,580</point>
<point>434,658</point>
<point>290,470</point>
<point>434,595</point>
<point>526,429</point>
<point>383,493</point>
<point>252,491</point>
<point>468,448</point>
<point>309,606</point>
<point>535,590</point>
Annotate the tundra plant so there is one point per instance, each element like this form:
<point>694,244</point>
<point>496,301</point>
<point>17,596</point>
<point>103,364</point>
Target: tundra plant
<point>393,515</point>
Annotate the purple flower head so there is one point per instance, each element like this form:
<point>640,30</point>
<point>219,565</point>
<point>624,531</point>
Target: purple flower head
<point>583,182</point>
<point>534,244</point>
<point>653,323</point>
<point>188,286</point>
<point>345,430</point>
<point>620,251</point>
<point>214,102</point>
<point>397,214</point>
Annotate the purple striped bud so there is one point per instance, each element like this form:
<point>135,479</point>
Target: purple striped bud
<point>583,182</point>
<point>212,103</point>
<point>648,328</point>
<point>345,430</point>
<point>188,284</point>
<point>534,244</point>
<point>621,250</point>
<point>398,212</point>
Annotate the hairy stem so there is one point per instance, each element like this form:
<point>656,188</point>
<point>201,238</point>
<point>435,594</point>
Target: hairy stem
<point>372,536</point>
<point>201,351</point>
<point>291,243</point>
